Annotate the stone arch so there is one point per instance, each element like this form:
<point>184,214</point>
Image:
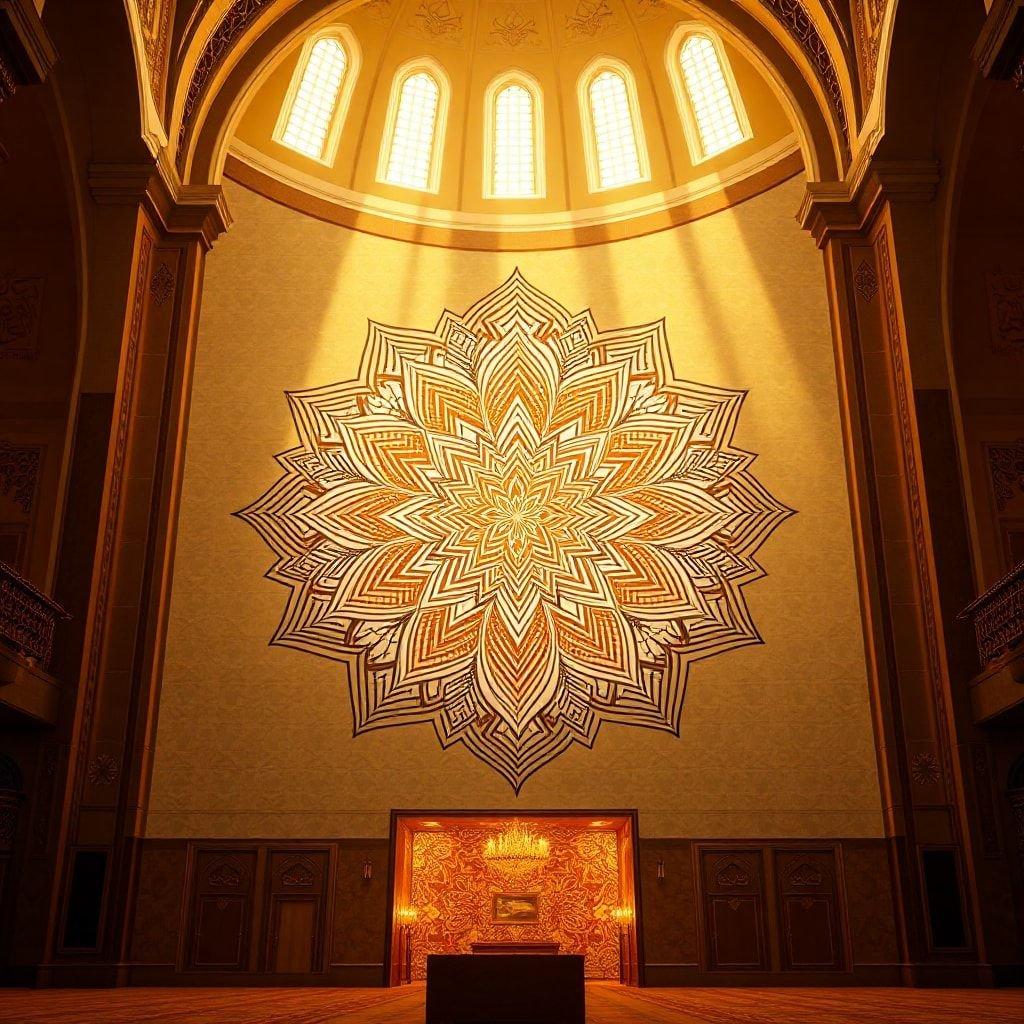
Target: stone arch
<point>231,49</point>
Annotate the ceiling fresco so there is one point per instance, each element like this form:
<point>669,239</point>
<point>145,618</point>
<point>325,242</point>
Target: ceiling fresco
<point>516,527</point>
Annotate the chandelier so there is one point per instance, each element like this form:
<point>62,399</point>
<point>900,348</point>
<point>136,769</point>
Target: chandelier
<point>517,851</point>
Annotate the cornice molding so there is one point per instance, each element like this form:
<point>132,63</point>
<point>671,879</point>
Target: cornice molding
<point>847,209</point>
<point>26,51</point>
<point>1000,47</point>
<point>183,210</point>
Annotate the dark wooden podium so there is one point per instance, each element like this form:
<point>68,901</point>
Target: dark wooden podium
<point>505,989</point>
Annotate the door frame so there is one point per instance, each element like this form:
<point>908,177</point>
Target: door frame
<point>400,871</point>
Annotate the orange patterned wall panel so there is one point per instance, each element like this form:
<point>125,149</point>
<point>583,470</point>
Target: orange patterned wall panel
<point>452,890</point>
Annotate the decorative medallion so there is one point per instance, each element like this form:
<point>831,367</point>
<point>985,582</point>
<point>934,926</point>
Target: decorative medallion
<point>1006,468</point>
<point>104,770</point>
<point>439,20</point>
<point>514,29</point>
<point>646,9</point>
<point>19,473</point>
<point>161,285</point>
<point>588,20</point>
<point>924,769</point>
<point>516,527</point>
<point>866,281</point>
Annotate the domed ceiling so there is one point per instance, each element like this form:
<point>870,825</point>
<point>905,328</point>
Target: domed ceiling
<point>474,42</point>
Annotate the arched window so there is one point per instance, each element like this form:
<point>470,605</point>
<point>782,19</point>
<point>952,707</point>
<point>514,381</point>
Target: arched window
<point>615,149</point>
<point>709,102</point>
<point>410,153</point>
<point>314,109</point>
<point>513,138</point>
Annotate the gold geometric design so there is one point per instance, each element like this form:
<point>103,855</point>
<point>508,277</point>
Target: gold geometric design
<point>516,527</point>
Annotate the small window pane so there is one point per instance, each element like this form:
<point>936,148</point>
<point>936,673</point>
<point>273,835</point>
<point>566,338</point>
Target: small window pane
<point>514,173</point>
<point>618,158</point>
<point>718,124</point>
<point>412,143</point>
<point>309,120</point>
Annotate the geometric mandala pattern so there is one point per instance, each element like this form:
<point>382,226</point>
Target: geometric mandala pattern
<point>516,527</point>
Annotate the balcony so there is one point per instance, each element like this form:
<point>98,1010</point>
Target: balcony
<point>998,620</point>
<point>28,624</point>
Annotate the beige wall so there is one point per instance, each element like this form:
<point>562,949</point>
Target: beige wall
<point>254,740</point>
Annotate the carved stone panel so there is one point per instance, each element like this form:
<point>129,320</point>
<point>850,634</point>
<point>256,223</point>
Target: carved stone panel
<point>1006,310</point>
<point>21,300</point>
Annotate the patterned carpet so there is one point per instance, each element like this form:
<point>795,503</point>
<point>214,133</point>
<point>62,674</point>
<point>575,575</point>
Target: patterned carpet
<point>606,1004</point>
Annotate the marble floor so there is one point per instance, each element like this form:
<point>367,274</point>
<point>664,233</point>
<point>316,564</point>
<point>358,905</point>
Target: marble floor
<point>606,1004</point>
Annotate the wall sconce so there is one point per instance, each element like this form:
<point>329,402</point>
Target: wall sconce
<point>623,915</point>
<point>406,915</point>
<point>367,869</point>
<point>661,871</point>
<point>406,918</point>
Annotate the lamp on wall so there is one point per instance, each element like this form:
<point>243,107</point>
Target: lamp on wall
<point>406,918</point>
<point>623,917</point>
<point>661,871</point>
<point>367,869</point>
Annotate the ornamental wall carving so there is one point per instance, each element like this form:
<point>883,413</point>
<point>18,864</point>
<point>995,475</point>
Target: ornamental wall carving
<point>20,465</point>
<point>21,300</point>
<point>155,16</point>
<point>1006,310</point>
<point>516,527</point>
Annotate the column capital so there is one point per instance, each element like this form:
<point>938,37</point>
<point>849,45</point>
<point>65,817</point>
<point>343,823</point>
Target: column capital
<point>186,210</point>
<point>847,209</point>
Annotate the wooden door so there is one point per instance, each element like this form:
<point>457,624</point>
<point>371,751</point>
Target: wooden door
<point>810,922</point>
<point>223,885</point>
<point>294,934</point>
<point>734,919</point>
<point>296,901</point>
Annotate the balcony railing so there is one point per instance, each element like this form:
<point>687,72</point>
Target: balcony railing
<point>998,617</point>
<point>28,618</point>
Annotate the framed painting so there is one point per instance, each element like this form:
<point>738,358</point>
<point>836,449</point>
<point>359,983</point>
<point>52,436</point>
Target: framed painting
<point>515,908</point>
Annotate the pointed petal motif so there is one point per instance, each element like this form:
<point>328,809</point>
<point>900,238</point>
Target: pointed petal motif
<point>441,399</point>
<point>437,642</point>
<point>679,514</point>
<point>516,527</point>
<point>517,675</point>
<point>592,399</point>
<point>384,582</point>
<point>598,643</point>
<point>520,374</point>
<point>644,450</point>
<point>650,583</point>
<point>352,515</point>
<point>388,451</point>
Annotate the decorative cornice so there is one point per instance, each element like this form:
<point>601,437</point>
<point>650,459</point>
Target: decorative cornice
<point>831,209</point>
<point>179,209</point>
<point>1000,47</point>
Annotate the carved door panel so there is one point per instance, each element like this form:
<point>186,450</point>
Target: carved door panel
<point>223,886</point>
<point>810,923</point>
<point>297,886</point>
<point>734,910</point>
